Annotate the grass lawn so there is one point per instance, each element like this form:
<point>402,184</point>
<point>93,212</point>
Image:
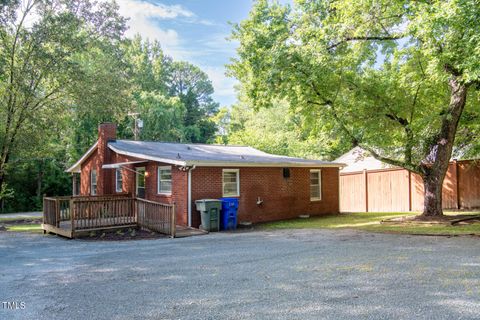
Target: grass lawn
<point>371,222</point>
<point>24,228</point>
<point>22,218</point>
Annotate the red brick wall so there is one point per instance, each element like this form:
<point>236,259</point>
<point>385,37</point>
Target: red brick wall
<point>103,155</point>
<point>179,184</point>
<point>88,165</point>
<point>179,189</point>
<point>283,198</point>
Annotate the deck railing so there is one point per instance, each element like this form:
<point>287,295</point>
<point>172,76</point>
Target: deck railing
<point>56,210</point>
<point>102,213</point>
<point>85,213</point>
<point>156,216</point>
<point>50,211</point>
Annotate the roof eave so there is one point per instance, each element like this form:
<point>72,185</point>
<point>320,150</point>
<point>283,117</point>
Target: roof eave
<point>147,157</point>
<point>77,167</point>
<point>262,164</point>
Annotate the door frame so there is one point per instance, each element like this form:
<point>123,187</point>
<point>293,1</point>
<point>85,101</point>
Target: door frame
<point>137,174</point>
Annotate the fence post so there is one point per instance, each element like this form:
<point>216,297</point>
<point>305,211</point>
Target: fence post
<point>365,175</point>
<point>173,223</point>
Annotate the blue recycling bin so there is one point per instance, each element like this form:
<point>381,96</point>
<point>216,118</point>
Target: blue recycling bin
<point>229,213</point>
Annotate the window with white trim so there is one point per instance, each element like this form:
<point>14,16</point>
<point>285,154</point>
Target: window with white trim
<point>76,184</point>
<point>315,184</point>
<point>93,182</point>
<point>164,180</point>
<point>231,182</point>
<point>118,180</point>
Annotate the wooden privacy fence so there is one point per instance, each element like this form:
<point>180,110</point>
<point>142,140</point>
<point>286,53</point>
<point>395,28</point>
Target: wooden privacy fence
<point>69,215</point>
<point>399,190</point>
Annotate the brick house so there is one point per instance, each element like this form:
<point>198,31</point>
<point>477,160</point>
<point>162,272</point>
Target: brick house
<point>269,187</point>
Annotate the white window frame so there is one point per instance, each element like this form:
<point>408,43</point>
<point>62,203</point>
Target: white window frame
<point>237,172</point>
<point>319,172</point>
<point>159,180</point>
<point>118,187</point>
<point>93,191</point>
<point>76,184</point>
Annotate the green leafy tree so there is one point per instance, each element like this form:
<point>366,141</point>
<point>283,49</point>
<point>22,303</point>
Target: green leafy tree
<point>174,99</point>
<point>399,78</point>
<point>103,94</point>
<point>280,130</point>
<point>222,121</point>
<point>148,65</point>
<point>162,117</point>
<point>42,44</point>
<point>192,86</point>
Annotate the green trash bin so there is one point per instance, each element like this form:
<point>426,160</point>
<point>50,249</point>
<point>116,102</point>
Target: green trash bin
<point>209,213</point>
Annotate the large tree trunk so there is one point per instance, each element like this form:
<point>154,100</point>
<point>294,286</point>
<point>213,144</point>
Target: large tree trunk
<point>432,182</point>
<point>435,165</point>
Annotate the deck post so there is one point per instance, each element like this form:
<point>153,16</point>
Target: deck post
<point>57,212</point>
<point>173,223</point>
<point>72,217</point>
<point>44,210</point>
<point>134,209</point>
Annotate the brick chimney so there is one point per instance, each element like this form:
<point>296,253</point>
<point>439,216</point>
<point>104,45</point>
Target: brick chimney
<point>106,132</point>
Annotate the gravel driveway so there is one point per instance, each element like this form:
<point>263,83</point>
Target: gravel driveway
<point>294,274</point>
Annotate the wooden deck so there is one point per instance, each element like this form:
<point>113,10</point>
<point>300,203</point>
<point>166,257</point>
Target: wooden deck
<point>65,230</point>
<point>74,216</point>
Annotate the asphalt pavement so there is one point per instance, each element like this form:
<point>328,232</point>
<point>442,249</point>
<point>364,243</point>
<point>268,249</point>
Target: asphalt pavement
<point>287,274</point>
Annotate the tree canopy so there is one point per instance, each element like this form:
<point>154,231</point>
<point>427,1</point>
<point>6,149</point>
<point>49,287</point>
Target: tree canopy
<point>281,131</point>
<point>65,67</point>
<point>398,77</point>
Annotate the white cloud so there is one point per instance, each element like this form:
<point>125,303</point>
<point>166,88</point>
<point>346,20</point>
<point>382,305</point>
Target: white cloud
<point>223,85</point>
<point>150,10</point>
<point>143,19</point>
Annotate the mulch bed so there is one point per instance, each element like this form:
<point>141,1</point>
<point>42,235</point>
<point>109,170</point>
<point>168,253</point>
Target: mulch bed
<point>122,234</point>
<point>106,235</point>
<point>20,221</point>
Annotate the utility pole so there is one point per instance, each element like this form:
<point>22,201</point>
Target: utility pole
<point>137,124</point>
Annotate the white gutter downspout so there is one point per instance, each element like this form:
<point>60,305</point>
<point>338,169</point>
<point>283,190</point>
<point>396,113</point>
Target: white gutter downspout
<point>189,195</point>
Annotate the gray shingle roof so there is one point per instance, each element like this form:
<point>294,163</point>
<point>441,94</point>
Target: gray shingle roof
<point>209,155</point>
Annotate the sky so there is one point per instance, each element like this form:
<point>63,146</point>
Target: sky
<point>192,30</point>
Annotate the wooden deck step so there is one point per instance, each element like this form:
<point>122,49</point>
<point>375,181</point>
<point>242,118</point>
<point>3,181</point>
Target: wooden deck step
<point>183,232</point>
